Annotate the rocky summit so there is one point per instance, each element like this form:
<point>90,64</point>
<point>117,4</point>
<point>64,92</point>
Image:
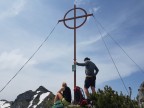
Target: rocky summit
<point>41,98</point>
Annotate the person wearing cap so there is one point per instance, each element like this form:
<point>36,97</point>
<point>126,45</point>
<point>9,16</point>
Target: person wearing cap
<point>91,71</point>
<point>64,95</point>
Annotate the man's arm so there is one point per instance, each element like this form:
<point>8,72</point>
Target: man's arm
<point>61,90</point>
<point>80,64</point>
<point>97,70</point>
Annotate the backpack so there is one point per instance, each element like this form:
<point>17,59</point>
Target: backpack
<point>58,104</point>
<point>79,97</point>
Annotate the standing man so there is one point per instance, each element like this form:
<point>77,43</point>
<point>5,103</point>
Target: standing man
<point>91,71</point>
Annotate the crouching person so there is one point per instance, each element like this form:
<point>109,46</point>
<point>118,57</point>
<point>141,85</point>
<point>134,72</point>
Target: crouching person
<point>63,95</point>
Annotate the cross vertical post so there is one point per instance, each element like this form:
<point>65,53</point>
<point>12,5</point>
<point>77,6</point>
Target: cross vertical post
<point>74,44</point>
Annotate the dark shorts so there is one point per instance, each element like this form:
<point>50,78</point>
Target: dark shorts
<point>89,81</point>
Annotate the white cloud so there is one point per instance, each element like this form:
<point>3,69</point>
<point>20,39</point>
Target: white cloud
<point>13,9</point>
<point>13,59</point>
<point>94,9</point>
<point>78,2</point>
<point>89,42</point>
<point>108,71</point>
<point>124,65</point>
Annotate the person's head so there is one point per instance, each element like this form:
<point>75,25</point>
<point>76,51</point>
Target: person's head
<point>86,59</point>
<point>64,84</point>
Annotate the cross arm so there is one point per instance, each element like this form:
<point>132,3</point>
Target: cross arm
<point>75,17</point>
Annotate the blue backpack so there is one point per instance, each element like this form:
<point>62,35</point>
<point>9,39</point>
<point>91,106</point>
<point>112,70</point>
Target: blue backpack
<point>58,104</point>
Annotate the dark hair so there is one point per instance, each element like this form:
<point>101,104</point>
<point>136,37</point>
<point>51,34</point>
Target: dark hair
<point>86,58</point>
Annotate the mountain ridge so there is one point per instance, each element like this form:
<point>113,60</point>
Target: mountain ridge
<point>40,98</point>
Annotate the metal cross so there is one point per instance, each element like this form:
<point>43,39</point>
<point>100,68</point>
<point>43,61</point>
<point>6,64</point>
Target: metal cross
<point>75,27</point>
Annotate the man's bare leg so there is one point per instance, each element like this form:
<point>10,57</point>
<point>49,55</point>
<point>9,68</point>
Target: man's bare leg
<point>86,92</point>
<point>58,97</point>
<point>93,90</point>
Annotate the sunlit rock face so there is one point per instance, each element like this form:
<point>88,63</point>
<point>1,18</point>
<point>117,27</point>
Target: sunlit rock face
<point>5,104</point>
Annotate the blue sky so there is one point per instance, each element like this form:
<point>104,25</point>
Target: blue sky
<point>24,24</point>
